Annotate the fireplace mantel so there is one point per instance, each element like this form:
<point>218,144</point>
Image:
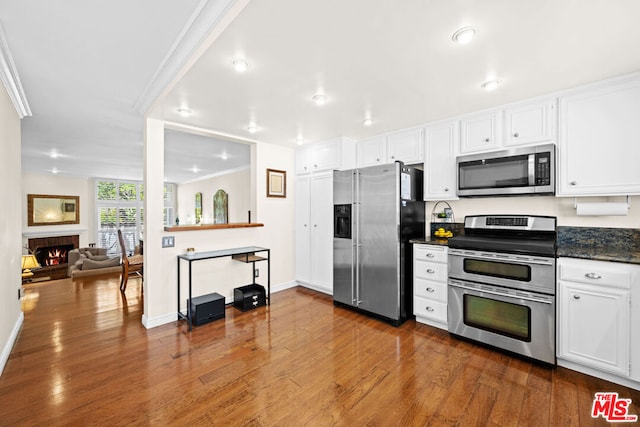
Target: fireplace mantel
<point>46,233</point>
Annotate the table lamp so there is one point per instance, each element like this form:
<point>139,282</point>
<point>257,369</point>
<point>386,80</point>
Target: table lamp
<point>29,262</point>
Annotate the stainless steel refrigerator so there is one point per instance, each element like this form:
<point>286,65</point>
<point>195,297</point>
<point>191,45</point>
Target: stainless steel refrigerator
<point>377,210</point>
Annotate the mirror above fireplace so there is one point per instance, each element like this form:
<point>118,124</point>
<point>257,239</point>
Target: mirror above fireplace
<point>52,210</point>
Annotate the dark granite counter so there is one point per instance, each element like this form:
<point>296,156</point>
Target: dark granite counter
<point>600,244</point>
<point>595,243</point>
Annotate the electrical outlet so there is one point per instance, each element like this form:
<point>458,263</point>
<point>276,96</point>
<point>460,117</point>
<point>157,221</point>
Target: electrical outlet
<point>168,242</point>
<point>257,272</point>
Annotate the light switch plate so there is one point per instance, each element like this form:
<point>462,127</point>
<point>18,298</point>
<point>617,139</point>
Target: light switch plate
<point>168,241</point>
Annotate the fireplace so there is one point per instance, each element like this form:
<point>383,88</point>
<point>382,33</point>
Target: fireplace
<point>52,253</point>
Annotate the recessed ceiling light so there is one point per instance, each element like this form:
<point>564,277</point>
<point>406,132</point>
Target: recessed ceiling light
<point>367,121</point>
<point>184,111</point>
<point>195,169</point>
<point>319,99</point>
<point>54,154</point>
<point>490,85</point>
<point>464,35</point>
<point>224,156</point>
<point>240,65</point>
<point>252,128</point>
<point>54,171</point>
<point>299,140</point>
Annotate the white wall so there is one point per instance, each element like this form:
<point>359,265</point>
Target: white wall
<point>11,316</point>
<point>561,207</point>
<point>237,185</point>
<point>221,275</point>
<point>64,186</point>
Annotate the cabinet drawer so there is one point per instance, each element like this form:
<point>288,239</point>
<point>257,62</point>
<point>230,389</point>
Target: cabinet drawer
<point>431,290</point>
<point>435,310</point>
<point>430,271</point>
<point>595,273</point>
<point>430,253</point>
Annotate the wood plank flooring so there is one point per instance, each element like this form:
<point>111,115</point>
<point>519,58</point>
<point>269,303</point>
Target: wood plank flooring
<point>83,358</point>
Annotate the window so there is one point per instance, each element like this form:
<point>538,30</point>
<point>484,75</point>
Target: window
<point>120,205</point>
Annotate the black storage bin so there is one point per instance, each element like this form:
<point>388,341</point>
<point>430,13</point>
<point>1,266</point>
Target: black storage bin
<point>207,308</point>
<point>249,297</point>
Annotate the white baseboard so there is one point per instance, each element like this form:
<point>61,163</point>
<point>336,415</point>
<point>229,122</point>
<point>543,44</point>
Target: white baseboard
<point>172,317</point>
<point>6,351</point>
<point>322,289</point>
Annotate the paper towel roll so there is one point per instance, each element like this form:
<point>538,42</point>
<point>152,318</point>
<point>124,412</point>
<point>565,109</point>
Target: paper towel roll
<point>602,209</point>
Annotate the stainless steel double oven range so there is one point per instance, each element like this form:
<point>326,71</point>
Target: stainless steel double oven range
<point>502,281</point>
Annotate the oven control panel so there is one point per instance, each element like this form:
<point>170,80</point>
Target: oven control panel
<point>507,221</point>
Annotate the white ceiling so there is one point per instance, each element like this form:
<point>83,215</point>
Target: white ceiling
<point>85,64</point>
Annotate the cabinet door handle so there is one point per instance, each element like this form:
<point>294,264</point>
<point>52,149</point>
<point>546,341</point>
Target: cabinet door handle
<point>377,159</point>
<point>430,290</point>
<point>393,157</point>
<point>429,308</point>
<point>315,166</point>
<point>315,225</point>
<point>573,183</point>
<point>487,139</point>
<point>593,276</point>
<point>515,135</point>
<point>576,296</point>
<point>430,271</point>
<point>446,190</point>
<point>305,225</point>
<point>430,255</point>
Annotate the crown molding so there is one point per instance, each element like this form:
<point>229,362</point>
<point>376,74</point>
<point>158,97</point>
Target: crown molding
<point>10,78</point>
<point>196,35</point>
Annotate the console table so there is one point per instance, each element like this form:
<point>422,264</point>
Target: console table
<point>246,255</point>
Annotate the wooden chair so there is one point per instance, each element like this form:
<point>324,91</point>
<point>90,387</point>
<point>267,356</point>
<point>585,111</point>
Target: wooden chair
<point>130,264</point>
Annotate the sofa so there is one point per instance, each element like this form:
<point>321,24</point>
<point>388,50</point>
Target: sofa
<point>85,262</point>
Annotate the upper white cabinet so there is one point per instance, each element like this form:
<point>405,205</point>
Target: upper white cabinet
<point>372,151</point>
<point>406,146</point>
<point>441,142</point>
<point>337,153</point>
<point>599,134</point>
<point>481,132</point>
<point>530,123</point>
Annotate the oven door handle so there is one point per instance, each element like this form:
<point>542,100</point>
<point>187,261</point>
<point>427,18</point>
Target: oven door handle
<point>501,294</point>
<point>501,257</point>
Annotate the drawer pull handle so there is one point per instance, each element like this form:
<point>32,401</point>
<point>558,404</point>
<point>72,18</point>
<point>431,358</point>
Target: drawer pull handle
<point>593,276</point>
<point>430,271</point>
<point>430,255</point>
<point>430,290</point>
<point>429,308</point>
<point>576,297</point>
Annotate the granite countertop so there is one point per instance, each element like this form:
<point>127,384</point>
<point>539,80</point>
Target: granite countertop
<point>598,244</point>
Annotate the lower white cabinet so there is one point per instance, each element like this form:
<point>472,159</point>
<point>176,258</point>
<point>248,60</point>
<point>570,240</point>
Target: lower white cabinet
<point>598,327</point>
<point>430,284</point>
<point>314,231</point>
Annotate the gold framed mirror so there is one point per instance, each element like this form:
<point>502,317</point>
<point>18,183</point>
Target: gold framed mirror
<point>44,209</point>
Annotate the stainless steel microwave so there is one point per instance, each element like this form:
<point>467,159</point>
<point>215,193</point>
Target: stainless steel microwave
<point>513,172</point>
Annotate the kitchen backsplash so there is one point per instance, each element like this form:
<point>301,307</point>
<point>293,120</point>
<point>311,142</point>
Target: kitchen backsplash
<point>623,238</point>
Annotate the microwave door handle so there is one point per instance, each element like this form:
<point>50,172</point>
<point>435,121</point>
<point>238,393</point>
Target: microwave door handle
<point>532,169</point>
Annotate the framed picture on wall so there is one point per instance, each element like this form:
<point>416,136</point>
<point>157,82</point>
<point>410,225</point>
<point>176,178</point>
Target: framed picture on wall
<point>276,183</point>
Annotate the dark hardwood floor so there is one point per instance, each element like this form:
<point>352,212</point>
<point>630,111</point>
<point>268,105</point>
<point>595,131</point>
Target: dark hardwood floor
<point>84,358</point>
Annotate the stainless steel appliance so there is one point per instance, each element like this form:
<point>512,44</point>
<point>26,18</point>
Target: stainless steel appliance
<point>517,171</point>
<point>371,256</point>
<point>502,277</point>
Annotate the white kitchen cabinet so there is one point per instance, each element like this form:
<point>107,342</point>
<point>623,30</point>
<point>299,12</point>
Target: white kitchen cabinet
<point>530,123</point>
<point>481,132</point>
<point>405,146</point>
<point>594,315</point>
<point>337,153</point>
<point>441,142</point>
<point>430,284</point>
<point>314,231</point>
<point>372,151</point>
<point>598,149</point>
